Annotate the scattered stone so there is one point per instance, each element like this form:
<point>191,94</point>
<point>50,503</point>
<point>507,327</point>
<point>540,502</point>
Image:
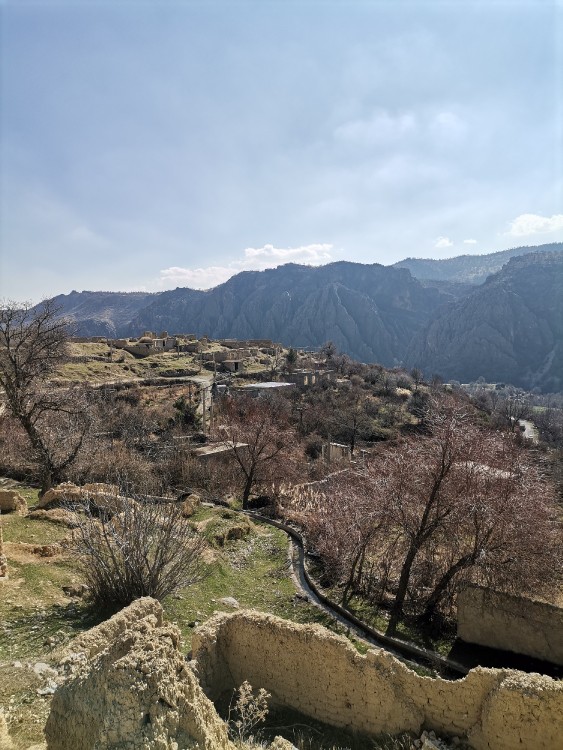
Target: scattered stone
<point>49,688</point>
<point>41,668</point>
<point>229,601</point>
<point>78,590</point>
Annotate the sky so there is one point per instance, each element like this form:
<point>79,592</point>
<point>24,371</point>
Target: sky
<point>150,145</point>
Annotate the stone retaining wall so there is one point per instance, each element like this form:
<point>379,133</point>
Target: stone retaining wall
<point>307,668</point>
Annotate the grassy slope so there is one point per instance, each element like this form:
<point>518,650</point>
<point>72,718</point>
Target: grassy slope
<point>36,616</point>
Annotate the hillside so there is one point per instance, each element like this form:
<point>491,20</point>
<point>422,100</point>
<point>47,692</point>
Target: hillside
<point>371,312</point>
<point>509,329</point>
<point>101,313</point>
<point>505,329</point>
<point>469,269</point>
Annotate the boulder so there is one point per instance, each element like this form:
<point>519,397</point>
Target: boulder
<point>280,743</point>
<point>190,505</point>
<point>12,502</point>
<point>229,601</point>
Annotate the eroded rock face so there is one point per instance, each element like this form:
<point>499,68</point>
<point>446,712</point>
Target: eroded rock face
<point>128,686</point>
<point>12,502</point>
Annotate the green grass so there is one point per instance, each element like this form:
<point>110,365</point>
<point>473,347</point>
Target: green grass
<point>405,631</point>
<point>255,571</point>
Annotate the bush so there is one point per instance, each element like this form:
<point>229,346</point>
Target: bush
<point>141,550</point>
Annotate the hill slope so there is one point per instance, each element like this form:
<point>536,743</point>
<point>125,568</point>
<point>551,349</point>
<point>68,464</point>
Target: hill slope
<point>371,312</point>
<point>101,313</point>
<point>509,329</point>
<point>469,269</point>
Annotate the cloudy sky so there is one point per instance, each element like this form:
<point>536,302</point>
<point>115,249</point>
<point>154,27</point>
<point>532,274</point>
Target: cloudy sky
<point>149,145</point>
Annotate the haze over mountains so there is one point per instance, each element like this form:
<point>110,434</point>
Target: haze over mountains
<point>450,317</point>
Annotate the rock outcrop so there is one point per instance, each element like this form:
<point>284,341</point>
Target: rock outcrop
<point>128,686</point>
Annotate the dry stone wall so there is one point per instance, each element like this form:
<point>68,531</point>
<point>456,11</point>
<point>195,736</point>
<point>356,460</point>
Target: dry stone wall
<point>513,623</point>
<point>320,674</point>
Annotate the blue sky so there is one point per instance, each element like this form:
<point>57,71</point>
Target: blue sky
<point>149,145</point>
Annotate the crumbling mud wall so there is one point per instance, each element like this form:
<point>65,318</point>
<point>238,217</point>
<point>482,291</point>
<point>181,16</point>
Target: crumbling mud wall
<point>320,674</point>
<point>513,623</point>
<point>125,684</point>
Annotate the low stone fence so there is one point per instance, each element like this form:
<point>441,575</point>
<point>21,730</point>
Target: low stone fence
<point>513,623</point>
<point>309,669</point>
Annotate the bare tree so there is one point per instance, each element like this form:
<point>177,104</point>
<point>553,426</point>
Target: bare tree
<point>257,429</point>
<point>431,512</point>
<point>33,344</point>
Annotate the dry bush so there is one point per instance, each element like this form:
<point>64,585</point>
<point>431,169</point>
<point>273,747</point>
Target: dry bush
<point>145,549</point>
<point>112,461</point>
<point>246,712</point>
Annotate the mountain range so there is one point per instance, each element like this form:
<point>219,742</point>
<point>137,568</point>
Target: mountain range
<point>499,316</point>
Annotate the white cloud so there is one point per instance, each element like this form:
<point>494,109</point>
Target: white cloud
<point>469,242</point>
<point>443,242</point>
<point>255,259</point>
<point>308,254</point>
<point>534,224</point>
<point>195,278</point>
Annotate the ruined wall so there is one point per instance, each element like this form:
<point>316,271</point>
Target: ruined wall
<point>125,684</point>
<point>320,674</point>
<point>513,623</point>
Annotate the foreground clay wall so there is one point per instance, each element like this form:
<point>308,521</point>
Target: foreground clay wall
<point>125,684</point>
<point>320,674</point>
<point>513,623</point>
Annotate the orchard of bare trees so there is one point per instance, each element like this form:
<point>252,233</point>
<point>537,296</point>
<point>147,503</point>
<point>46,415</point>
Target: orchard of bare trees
<point>429,513</point>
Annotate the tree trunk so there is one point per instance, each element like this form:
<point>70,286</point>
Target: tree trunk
<point>440,588</point>
<point>351,577</point>
<point>397,608</point>
<point>247,488</point>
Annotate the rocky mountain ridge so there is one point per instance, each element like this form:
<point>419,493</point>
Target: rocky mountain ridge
<point>508,328</point>
<point>469,269</point>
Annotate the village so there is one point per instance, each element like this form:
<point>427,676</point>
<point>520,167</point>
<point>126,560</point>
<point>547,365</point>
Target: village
<point>266,464</point>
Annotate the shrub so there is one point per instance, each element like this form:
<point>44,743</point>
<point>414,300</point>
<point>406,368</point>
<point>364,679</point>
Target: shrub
<point>143,549</point>
<point>246,711</point>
